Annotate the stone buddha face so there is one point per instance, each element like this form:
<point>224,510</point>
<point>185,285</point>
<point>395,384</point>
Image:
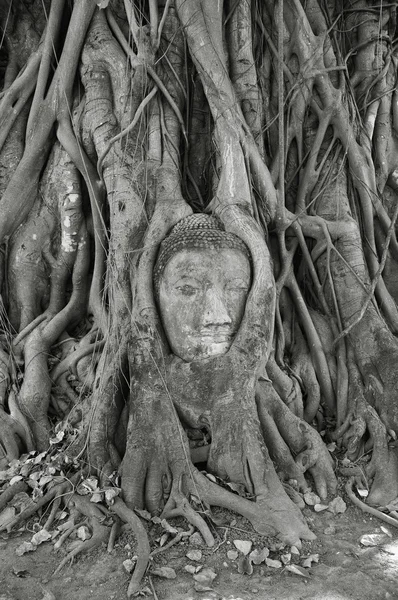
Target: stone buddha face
<point>202,291</point>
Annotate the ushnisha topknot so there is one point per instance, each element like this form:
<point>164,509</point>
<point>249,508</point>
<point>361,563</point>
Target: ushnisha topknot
<point>196,231</point>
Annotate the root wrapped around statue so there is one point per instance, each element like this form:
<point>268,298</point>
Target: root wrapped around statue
<point>198,261</point>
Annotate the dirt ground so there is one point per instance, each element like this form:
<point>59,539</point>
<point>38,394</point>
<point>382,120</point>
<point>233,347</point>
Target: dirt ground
<point>346,569</point>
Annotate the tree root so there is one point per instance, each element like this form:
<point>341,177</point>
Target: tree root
<point>178,506</point>
<point>176,540</point>
<point>10,492</point>
<point>62,489</point>
<point>94,514</point>
<point>365,508</point>
<point>100,535</point>
<point>272,514</point>
<point>143,547</point>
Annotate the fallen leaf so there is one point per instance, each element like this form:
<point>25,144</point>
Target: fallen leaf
<point>286,558</point>
<point>245,566</point>
<point>238,488</point>
<point>83,533</point>
<point>167,527</point>
<point>211,477</point>
<point>337,505</point>
<point>37,460</point>
<point>16,479</point>
<point>102,4</point>
<point>373,539</point>
<point>232,554</point>
<point>165,572</point>
<point>97,497</point>
<point>25,547</point>
<point>243,546</point>
<point>297,570</point>
<point>386,531</point>
<point>111,493</point>
<point>294,550</point>
<point>194,555</point>
<point>163,539</point>
<point>259,556</point>
<point>58,438</point>
<point>363,492</point>
<point>41,536</point>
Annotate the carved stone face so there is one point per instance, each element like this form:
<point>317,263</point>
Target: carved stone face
<point>202,296</point>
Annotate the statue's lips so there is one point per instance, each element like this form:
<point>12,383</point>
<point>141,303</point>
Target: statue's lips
<point>216,335</point>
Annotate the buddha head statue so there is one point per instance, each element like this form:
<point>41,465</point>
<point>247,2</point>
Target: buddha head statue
<point>201,278</point>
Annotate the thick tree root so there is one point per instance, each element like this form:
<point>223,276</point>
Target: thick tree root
<point>272,514</point>
<point>10,492</point>
<point>143,547</point>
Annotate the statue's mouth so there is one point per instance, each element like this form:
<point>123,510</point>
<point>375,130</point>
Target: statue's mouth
<point>217,334</point>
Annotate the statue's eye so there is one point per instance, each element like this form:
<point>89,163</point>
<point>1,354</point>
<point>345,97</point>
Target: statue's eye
<point>187,290</point>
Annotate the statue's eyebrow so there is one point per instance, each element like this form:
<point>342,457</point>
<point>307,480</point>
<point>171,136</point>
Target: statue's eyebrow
<point>182,277</point>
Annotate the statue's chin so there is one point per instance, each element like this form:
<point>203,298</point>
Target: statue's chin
<point>202,349</point>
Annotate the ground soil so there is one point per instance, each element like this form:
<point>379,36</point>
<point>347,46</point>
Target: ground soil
<point>346,568</point>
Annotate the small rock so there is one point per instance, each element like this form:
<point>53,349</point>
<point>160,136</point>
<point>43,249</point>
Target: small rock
<point>337,505</point>
<point>128,565</point>
<point>274,564</point>
<point>190,569</point>
<point>205,577</point>
<point>232,554</point>
<point>307,562</point>
<point>194,555</point>
<point>164,572</point>
<point>295,550</point>
<point>320,507</point>
<point>196,539</point>
<point>311,498</point>
<point>243,546</point>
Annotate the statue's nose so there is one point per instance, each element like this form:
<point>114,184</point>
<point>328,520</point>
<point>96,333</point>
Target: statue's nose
<point>215,310</point>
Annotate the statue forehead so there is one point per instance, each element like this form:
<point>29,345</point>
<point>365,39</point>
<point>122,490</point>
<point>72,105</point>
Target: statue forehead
<point>207,263</point>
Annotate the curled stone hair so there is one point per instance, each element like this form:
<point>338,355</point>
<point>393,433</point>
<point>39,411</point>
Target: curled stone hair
<point>196,231</point>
